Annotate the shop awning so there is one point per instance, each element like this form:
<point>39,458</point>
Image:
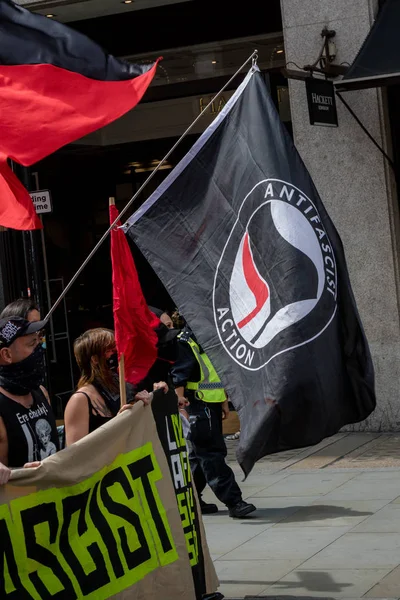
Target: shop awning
<point>378,61</point>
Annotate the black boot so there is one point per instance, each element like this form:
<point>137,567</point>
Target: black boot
<point>208,509</point>
<point>241,509</point>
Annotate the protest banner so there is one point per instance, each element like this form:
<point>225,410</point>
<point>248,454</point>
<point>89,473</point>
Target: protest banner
<point>97,520</point>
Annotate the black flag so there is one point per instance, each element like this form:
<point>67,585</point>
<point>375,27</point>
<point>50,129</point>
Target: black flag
<point>242,242</point>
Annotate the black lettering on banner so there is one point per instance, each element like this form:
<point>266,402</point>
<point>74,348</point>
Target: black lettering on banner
<point>141,554</point>
<point>101,523</point>
<point>31,517</point>
<point>7,558</point>
<point>178,431</point>
<point>186,466</point>
<point>88,582</point>
<point>186,506</point>
<point>170,432</point>
<point>92,539</point>
<point>140,470</point>
<point>184,489</point>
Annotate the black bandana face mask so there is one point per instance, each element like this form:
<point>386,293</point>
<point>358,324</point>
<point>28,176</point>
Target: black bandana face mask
<point>23,377</point>
<point>112,362</point>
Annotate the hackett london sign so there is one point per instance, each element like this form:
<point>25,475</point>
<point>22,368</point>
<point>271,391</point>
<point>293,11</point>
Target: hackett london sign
<point>321,102</point>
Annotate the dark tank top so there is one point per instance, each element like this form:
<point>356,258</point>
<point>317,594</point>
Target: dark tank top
<point>96,420</point>
<point>31,432</point>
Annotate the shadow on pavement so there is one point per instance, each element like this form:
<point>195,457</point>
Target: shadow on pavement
<point>283,598</point>
<point>310,581</point>
<point>296,514</point>
<point>321,512</point>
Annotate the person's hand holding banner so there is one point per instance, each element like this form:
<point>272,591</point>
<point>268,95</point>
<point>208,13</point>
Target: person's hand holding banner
<point>5,473</point>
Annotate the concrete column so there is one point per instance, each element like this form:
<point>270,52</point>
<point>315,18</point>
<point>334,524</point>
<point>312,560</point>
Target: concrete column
<point>355,184</point>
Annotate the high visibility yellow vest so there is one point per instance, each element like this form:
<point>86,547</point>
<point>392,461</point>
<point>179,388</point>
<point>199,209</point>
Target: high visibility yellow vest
<point>209,388</point>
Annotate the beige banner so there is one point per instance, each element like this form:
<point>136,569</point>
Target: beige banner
<point>98,520</point>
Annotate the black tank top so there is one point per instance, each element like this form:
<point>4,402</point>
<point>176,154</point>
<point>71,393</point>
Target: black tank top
<point>31,432</point>
<point>96,420</point>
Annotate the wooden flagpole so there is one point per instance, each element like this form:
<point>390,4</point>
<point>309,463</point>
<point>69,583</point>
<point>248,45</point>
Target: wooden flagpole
<point>122,384</point>
<point>121,372</point>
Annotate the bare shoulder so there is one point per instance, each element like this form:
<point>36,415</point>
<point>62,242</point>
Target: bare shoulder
<point>3,431</point>
<point>76,417</point>
<point>90,390</point>
<point>78,401</point>
<point>46,393</point>
<point>86,390</point>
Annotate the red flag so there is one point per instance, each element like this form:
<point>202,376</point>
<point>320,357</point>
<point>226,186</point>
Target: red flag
<point>56,86</point>
<point>16,207</point>
<point>134,323</point>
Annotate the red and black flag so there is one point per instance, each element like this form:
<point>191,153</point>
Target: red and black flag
<point>248,252</point>
<point>56,86</point>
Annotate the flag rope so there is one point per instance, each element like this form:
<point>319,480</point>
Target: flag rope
<point>253,57</point>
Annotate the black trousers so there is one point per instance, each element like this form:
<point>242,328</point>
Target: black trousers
<point>208,452</point>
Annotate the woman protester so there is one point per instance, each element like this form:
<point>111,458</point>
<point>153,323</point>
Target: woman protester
<point>97,399</point>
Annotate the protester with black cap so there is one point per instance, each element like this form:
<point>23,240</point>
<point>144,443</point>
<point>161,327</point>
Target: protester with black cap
<point>167,351</point>
<point>28,431</point>
<point>163,316</point>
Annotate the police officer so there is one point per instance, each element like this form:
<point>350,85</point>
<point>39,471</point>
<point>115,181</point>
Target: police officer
<point>195,378</point>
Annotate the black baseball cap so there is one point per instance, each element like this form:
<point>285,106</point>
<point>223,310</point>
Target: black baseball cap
<point>157,311</point>
<point>164,334</point>
<point>15,327</point>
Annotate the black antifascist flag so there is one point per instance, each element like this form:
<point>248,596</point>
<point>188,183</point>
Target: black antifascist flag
<point>242,242</point>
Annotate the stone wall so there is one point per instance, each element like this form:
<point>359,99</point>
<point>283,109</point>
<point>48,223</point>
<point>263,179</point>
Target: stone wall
<point>355,184</point>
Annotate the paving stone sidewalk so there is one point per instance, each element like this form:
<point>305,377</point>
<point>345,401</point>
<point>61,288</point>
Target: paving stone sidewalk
<point>327,524</point>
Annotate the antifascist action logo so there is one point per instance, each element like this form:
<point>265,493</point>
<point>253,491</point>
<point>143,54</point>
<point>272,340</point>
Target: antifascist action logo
<point>275,286</point>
